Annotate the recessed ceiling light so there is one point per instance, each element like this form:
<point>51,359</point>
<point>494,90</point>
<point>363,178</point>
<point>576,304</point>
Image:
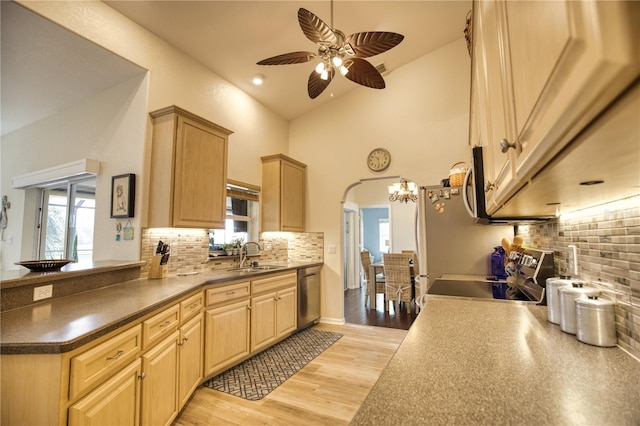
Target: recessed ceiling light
<point>257,79</point>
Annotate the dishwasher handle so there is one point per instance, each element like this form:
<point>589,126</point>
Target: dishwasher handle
<point>313,274</point>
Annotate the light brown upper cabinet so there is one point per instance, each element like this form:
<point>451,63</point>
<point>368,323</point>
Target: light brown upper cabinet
<point>283,194</point>
<point>188,171</point>
<point>541,72</point>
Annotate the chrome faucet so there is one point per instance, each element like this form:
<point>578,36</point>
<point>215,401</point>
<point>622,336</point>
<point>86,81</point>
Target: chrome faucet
<point>244,252</point>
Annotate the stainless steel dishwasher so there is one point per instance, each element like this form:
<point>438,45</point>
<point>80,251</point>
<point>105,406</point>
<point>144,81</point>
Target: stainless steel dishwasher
<point>308,296</point>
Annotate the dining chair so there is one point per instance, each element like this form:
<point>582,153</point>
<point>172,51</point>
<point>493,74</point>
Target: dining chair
<point>419,287</point>
<point>365,260</point>
<point>414,257</point>
<point>398,284</point>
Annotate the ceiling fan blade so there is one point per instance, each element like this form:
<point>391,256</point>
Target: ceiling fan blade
<point>317,85</point>
<point>288,58</point>
<point>371,43</point>
<point>315,29</point>
<point>362,72</point>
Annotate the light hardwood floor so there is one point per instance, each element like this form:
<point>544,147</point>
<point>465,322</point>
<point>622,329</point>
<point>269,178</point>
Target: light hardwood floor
<point>327,391</point>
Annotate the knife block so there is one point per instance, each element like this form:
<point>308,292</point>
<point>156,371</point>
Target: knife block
<point>156,270</point>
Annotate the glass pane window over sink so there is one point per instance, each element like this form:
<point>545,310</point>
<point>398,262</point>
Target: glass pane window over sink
<point>241,223</point>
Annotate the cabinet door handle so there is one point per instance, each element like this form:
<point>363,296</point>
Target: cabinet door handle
<point>116,356</point>
<point>231,293</point>
<point>489,186</point>
<point>192,307</point>
<point>142,376</point>
<point>166,323</point>
<point>248,307</point>
<point>505,145</point>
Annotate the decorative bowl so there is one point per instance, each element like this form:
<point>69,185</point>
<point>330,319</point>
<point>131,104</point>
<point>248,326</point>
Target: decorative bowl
<point>44,265</point>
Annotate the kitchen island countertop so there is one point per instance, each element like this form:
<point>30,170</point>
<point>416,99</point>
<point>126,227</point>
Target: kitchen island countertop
<point>468,361</point>
<point>63,324</point>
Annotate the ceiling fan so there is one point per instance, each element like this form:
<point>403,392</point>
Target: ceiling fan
<point>338,53</point>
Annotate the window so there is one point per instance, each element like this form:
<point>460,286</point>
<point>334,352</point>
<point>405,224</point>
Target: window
<point>67,233</point>
<point>242,215</point>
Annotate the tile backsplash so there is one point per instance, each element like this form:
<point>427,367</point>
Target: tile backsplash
<point>190,249</point>
<point>607,239</point>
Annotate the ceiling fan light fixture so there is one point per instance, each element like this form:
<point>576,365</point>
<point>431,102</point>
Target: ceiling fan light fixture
<point>333,46</point>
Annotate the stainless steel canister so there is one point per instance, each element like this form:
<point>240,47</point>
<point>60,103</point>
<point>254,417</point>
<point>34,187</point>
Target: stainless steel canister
<point>596,321</point>
<point>568,296</point>
<point>553,297</point>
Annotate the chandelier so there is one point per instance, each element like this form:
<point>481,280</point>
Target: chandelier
<point>404,191</point>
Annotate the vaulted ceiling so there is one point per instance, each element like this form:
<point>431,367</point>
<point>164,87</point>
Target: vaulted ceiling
<point>46,68</point>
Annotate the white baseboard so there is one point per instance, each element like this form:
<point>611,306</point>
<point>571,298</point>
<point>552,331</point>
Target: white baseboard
<point>332,321</point>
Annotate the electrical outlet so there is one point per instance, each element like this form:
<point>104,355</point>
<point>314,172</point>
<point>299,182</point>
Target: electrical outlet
<point>572,261</point>
<point>42,292</point>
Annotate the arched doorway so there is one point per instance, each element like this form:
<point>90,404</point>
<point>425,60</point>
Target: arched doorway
<point>391,227</point>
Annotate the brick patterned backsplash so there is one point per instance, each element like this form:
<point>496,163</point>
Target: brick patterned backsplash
<point>190,249</point>
<point>607,240</point>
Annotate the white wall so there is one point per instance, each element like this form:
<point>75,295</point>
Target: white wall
<point>421,117</point>
<point>109,128</point>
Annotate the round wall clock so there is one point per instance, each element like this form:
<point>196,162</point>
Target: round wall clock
<point>379,159</point>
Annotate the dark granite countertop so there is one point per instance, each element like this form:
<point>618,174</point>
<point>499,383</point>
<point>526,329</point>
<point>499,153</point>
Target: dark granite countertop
<point>469,361</point>
<point>63,324</point>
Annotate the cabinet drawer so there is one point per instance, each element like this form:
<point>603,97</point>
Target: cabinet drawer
<point>273,283</point>
<point>227,292</point>
<point>191,306</point>
<point>157,327</point>
<point>97,364</point>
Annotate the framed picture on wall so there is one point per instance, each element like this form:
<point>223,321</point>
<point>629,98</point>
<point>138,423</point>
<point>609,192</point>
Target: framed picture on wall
<point>123,195</point>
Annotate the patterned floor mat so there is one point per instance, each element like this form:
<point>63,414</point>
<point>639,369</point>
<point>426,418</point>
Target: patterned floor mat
<point>254,378</point>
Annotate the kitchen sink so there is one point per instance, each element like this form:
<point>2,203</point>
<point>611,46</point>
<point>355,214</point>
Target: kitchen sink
<point>267,267</point>
<point>256,268</point>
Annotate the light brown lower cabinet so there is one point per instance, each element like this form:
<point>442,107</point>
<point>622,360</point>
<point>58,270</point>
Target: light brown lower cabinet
<point>246,317</point>
<point>227,336</point>
<point>115,402</point>
<point>159,383</point>
<point>273,316</point>
<point>273,309</point>
<point>190,357</point>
